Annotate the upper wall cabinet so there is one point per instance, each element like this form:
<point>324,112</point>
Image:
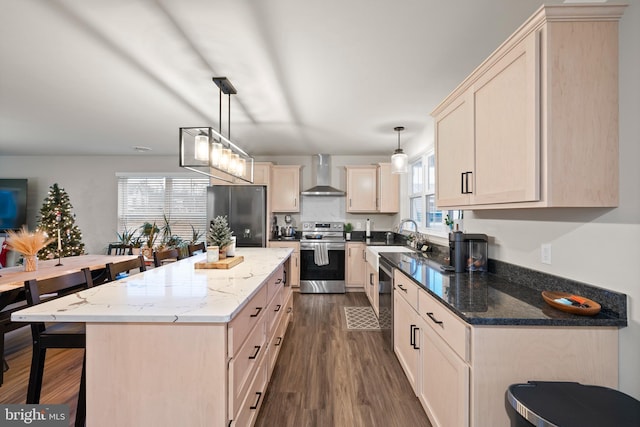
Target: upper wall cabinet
<point>536,124</point>
<point>372,188</point>
<point>285,188</point>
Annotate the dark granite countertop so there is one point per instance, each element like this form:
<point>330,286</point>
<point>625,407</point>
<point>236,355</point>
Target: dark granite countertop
<point>507,295</point>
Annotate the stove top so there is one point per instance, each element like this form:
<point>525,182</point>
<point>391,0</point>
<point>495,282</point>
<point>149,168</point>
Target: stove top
<point>323,231</point>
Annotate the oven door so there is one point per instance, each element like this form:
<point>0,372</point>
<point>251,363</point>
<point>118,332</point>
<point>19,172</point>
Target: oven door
<point>327,278</point>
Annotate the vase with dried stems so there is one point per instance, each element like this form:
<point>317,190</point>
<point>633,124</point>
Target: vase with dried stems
<point>28,244</point>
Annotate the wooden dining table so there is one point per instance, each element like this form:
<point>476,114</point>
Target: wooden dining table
<point>14,277</point>
<point>12,281</point>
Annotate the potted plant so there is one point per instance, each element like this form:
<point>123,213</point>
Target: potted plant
<point>126,236</point>
<point>150,233</point>
<point>220,234</point>
<point>347,229</point>
<point>136,244</point>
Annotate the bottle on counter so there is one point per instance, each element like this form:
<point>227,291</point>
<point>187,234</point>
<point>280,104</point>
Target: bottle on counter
<point>368,229</point>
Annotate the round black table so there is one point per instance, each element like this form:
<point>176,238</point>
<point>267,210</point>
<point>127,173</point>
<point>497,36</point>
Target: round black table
<point>568,404</point>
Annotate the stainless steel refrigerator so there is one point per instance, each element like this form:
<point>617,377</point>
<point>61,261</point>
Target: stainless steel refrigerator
<point>245,207</point>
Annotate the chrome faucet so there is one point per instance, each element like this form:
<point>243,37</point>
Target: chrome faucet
<point>402,222</point>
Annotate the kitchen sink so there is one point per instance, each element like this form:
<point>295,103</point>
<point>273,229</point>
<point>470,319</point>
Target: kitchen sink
<point>374,251</point>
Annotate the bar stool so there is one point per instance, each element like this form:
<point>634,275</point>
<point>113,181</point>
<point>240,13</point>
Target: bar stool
<point>56,335</point>
<point>114,269</point>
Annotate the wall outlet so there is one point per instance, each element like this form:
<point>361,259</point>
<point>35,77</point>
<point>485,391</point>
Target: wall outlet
<point>545,253</point>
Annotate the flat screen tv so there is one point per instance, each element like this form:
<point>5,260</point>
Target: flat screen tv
<point>13,204</point>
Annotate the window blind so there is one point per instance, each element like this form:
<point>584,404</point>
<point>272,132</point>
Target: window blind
<point>147,199</point>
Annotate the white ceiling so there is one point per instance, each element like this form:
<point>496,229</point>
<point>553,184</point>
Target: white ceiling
<point>97,77</point>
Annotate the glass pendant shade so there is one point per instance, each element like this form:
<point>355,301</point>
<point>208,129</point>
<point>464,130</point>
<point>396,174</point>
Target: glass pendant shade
<point>225,159</point>
<point>202,148</point>
<point>216,154</point>
<point>399,162</point>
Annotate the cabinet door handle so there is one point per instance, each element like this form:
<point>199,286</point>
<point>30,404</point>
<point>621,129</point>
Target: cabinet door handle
<point>279,341</point>
<point>258,310</point>
<point>349,253</point>
<point>414,343</point>
<point>433,318</point>
<point>349,201</point>
<point>295,202</point>
<point>257,347</point>
<point>284,277</point>
<point>401,288</point>
<point>255,406</point>
<point>289,310</point>
<point>464,182</point>
<point>279,281</point>
<point>278,307</point>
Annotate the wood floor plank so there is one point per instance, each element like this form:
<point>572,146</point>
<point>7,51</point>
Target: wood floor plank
<point>327,375</point>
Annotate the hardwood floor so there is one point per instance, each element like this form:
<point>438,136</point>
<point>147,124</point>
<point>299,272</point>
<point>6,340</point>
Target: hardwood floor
<point>327,375</point>
<point>61,372</point>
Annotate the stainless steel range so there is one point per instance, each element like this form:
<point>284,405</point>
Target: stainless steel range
<point>322,258</point>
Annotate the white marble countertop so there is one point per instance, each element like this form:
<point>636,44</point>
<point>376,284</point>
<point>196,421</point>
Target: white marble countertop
<point>175,292</point>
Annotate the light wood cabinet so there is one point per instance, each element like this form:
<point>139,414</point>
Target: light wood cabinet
<point>444,381</point>
<point>356,265</point>
<point>293,265</point>
<point>406,338</point>
<point>371,288</point>
<point>362,189</point>
<point>285,188</point>
<point>536,124</point>
<point>372,188</point>
<point>460,372</point>
<point>388,189</point>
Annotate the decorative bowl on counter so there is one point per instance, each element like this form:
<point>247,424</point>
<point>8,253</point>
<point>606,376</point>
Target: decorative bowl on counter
<point>571,303</point>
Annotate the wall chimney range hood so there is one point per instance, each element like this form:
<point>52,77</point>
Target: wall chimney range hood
<point>321,168</point>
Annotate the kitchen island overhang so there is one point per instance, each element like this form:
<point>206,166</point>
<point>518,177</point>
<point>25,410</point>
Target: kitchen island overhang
<point>167,347</point>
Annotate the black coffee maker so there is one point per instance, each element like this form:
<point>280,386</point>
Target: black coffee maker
<point>468,252</point>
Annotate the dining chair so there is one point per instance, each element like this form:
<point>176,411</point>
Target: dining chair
<point>119,249</point>
<point>198,247</point>
<point>160,257</point>
<point>114,269</point>
<point>56,335</point>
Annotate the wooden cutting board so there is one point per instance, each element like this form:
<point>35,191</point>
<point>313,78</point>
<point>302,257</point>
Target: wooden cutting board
<point>226,263</point>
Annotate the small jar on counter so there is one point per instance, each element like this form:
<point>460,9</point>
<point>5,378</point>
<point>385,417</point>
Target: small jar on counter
<point>213,254</point>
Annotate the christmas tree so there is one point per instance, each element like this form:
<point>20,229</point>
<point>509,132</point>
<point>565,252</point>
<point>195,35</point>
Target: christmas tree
<point>219,232</point>
<point>58,222</point>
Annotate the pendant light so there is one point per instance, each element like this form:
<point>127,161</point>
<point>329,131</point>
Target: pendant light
<point>207,151</point>
<point>399,160</point>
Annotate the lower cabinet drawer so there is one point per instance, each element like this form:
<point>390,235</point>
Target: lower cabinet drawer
<point>243,366</point>
<point>274,313</point>
<point>406,288</point>
<point>242,325</point>
<point>275,343</point>
<point>288,304</point>
<point>447,325</point>
<point>248,410</point>
<point>275,283</point>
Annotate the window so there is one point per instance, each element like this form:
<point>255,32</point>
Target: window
<point>422,196</point>
<point>150,198</point>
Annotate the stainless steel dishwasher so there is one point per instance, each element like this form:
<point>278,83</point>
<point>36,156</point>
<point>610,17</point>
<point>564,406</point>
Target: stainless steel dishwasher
<point>385,289</point>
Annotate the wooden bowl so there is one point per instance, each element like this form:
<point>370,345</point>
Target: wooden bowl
<point>590,308</point>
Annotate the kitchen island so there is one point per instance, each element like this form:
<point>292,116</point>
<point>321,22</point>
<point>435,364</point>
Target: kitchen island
<point>177,345</point>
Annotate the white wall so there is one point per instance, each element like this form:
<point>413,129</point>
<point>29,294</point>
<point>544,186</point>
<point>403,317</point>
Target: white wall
<point>91,184</point>
<point>596,246</point>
